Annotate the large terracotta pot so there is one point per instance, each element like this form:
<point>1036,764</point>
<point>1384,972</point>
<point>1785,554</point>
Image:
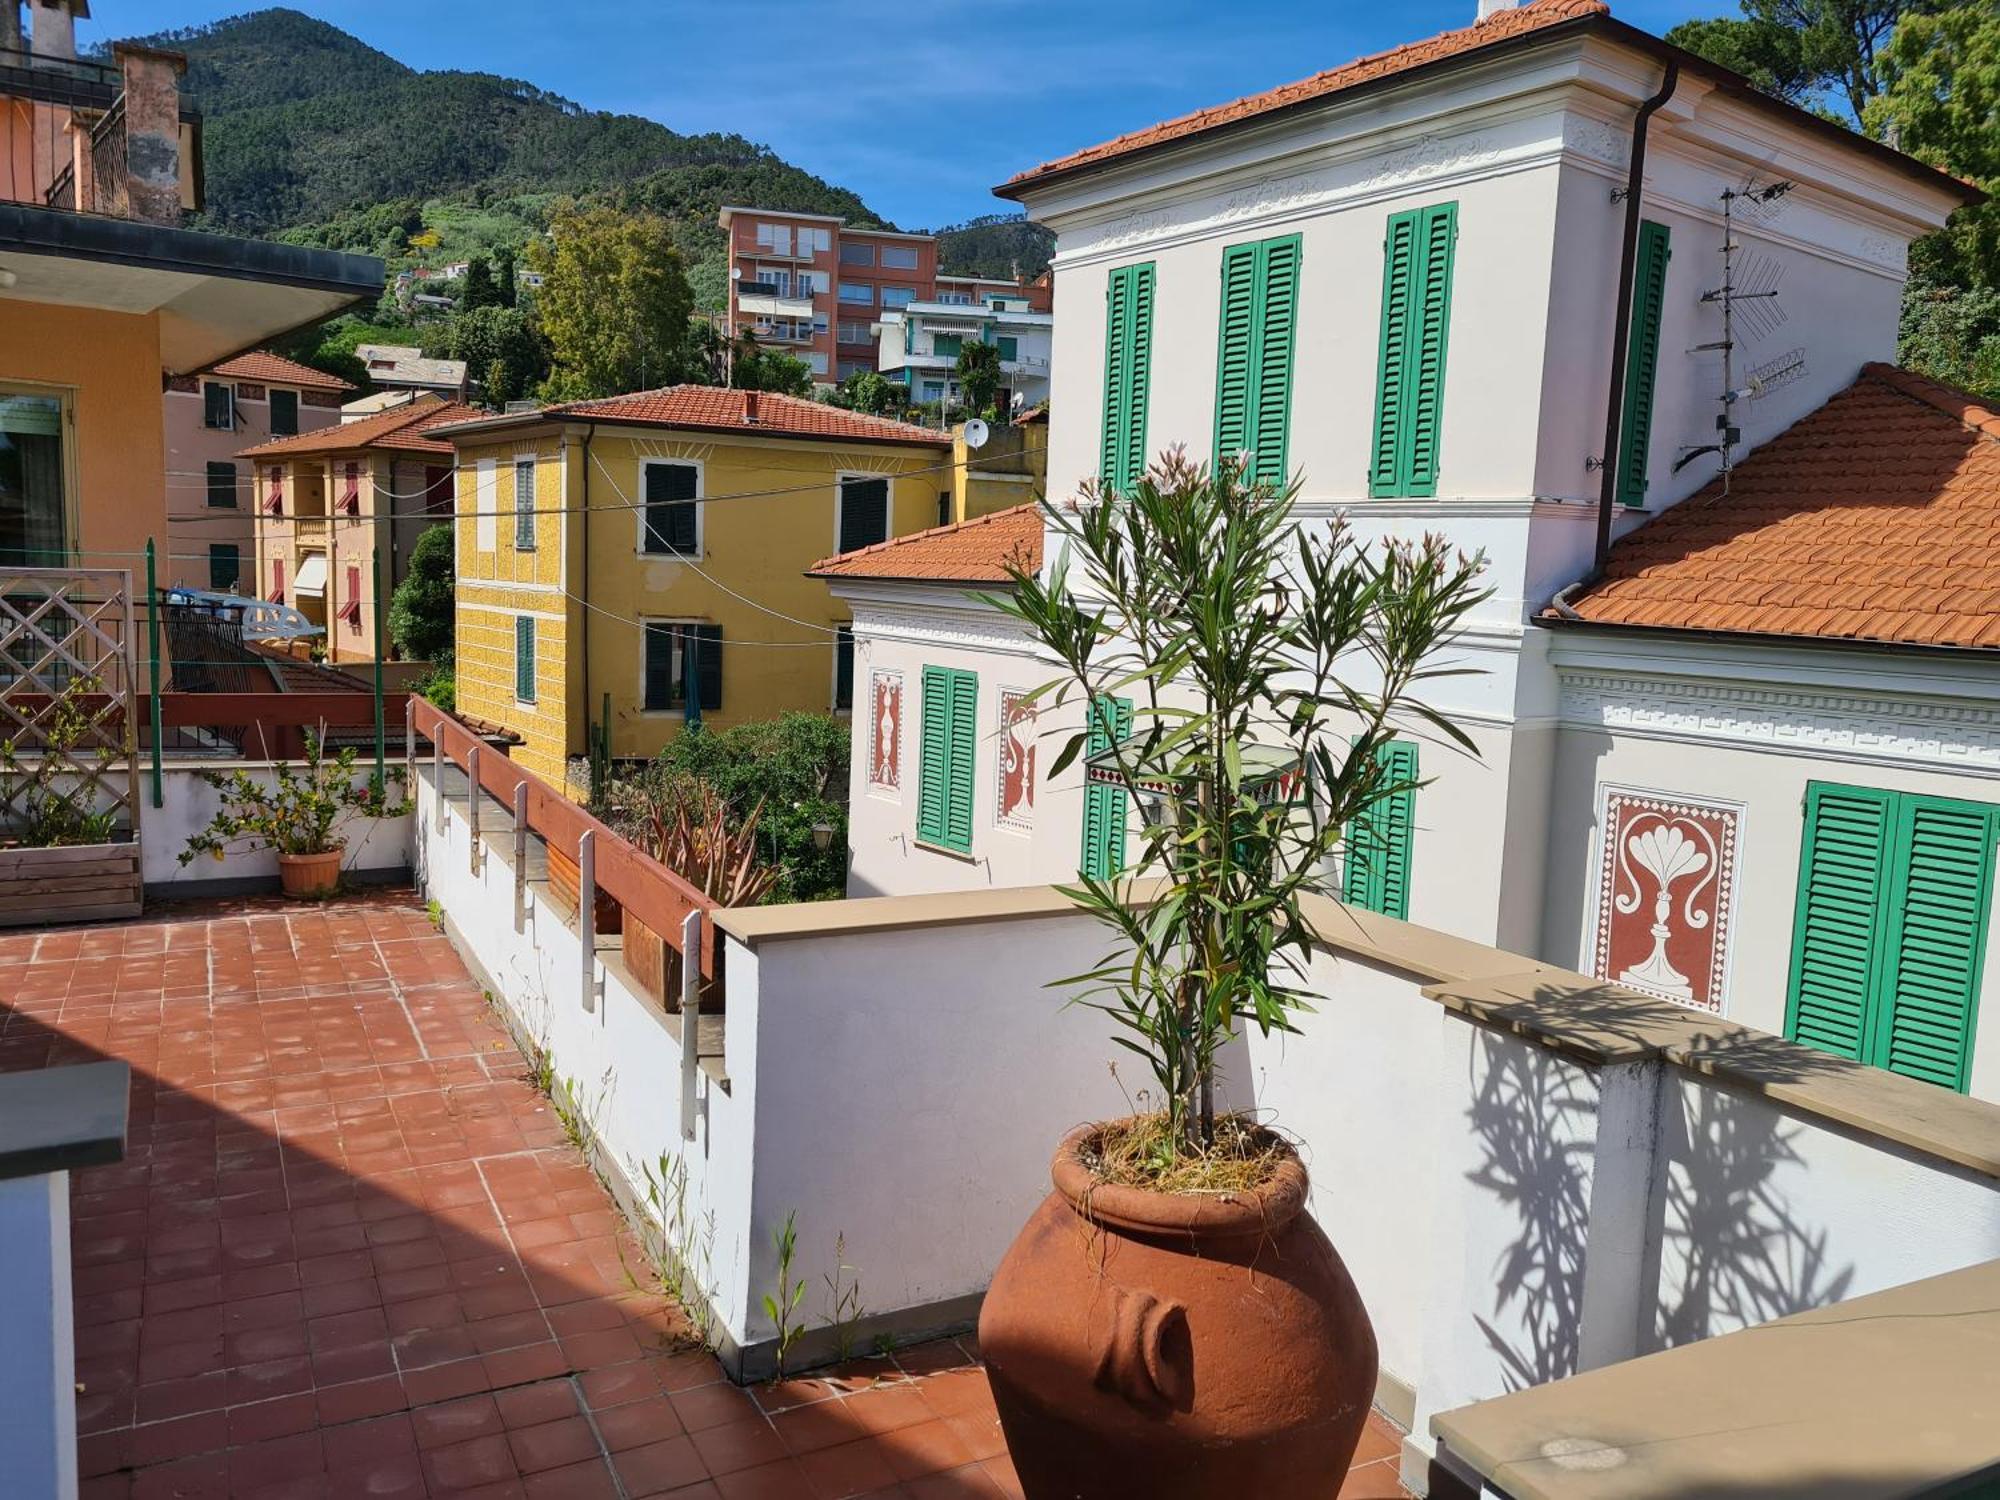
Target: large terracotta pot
<point>309,874</point>
<point>1175,1345</point>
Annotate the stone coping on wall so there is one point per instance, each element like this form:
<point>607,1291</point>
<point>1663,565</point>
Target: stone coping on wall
<point>1596,1022</point>
<point>1895,1393</point>
<point>59,1119</point>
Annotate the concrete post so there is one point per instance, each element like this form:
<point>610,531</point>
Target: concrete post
<point>38,1379</point>
<point>54,32</point>
<point>152,186</point>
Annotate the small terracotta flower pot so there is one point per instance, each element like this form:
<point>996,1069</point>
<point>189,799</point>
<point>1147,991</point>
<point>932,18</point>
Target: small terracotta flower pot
<point>1176,1346</point>
<point>309,874</point>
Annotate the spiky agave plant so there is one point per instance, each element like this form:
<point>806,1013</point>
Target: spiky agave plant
<point>1242,637</point>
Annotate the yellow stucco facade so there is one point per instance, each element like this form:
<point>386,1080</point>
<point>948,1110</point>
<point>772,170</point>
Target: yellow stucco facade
<point>767,508</point>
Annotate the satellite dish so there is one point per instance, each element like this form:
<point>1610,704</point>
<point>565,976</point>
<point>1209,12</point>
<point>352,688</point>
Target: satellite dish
<point>735,273</point>
<point>975,433</point>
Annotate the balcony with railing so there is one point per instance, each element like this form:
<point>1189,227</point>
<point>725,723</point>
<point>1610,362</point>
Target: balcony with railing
<point>775,299</point>
<point>87,137</point>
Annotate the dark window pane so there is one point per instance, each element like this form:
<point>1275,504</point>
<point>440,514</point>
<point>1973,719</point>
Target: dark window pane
<point>284,413</point>
<point>864,513</point>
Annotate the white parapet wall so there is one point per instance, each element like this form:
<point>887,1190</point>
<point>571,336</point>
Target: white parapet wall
<point>378,848</point>
<point>1529,1173</point>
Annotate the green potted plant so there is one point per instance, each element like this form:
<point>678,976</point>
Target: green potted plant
<point>1171,1321</point>
<point>298,817</point>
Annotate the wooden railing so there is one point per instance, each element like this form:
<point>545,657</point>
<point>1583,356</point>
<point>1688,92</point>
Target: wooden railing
<point>643,887</point>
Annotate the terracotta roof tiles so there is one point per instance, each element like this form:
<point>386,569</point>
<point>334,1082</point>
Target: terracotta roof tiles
<point>405,427</point>
<point>1876,518</point>
<point>709,408</point>
<point>1501,26</point>
<point>275,369</point>
<point>975,551</point>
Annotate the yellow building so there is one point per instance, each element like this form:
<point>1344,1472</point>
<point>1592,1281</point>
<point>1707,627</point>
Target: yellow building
<point>620,550</point>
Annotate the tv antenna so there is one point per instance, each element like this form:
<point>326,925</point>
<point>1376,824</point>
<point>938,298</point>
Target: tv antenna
<point>1756,298</point>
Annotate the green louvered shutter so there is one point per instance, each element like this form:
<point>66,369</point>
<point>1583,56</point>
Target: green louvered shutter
<point>1277,325</point>
<point>934,771</point>
<point>1438,235</point>
<point>524,658</point>
<point>1642,361</point>
<point>1128,339</point>
<point>1934,940</point>
<point>1399,271</point>
<point>1417,254</point>
<point>964,741</point>
<point>1843,886</point>
<point>1377,875</point>
<point>1104,807</point>
<point>1235,341</point>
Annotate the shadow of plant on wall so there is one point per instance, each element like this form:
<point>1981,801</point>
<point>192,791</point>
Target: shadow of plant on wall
<point>1723,1247</point>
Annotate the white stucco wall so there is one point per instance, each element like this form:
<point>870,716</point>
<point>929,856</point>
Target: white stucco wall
<point>190,803</point>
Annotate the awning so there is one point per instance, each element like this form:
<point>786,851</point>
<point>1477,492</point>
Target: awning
<point>311,582</point>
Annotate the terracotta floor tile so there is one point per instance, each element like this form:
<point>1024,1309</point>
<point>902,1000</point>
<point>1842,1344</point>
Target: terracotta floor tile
<point>969,1482</point>
<point>637,1423</point>
<point>738,1445</point>
<point>849,1469</point>
<point>713,1406</point>
<point>783,1480</point>
<point>658,1468</point>
<point>926,1448</point>
<point>553,1445</point>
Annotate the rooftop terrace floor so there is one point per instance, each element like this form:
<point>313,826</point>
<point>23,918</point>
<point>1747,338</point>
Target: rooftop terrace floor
<point>350,1250</point>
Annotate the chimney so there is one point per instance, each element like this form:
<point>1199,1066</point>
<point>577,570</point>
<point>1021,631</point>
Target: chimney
<point>55,29</point>
<point>750,406</point>
<point>1490,8</point>
<point>152,173</point>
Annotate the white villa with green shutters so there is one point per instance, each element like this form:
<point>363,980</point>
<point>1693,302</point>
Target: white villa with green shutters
<point>1432,288</point>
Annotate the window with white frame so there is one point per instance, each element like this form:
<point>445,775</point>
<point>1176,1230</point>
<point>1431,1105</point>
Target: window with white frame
<point>864,512</point>
<point>777,238</point>
<point>898,296</point>
<point>670,524</point>
<point>860,293</point>
<point>524,505</point>
<point>816,240</point>
<point>955,299</point>
<point>218,406</point>
<point>856,333</point>
<point>899,257</point>
<point>816,361</point>
<point>856,254</point>
<point>675,652</point>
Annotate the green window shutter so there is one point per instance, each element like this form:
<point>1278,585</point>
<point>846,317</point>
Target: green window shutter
<point>1642,362</point>
<point>524,507</point>
<point>1010,348</point>
<point>1253,383</point>
<point>1934,940</point>
<point>1105,807</point>
<point>1843,885</point>
<point>1235,348</point>
<point>1277,326</point>
<point>945,772</point>
<point>1128,340</point>
<point>964,744</point>
<point>934,755</point>
<point>1417,258</point>
<point>1379,842</point>
<point>524,658</point>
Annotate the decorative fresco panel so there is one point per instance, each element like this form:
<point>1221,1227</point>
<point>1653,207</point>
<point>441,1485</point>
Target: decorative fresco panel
<point>1017,760</point>
<point>885,739</point>
<point>1665,894</point>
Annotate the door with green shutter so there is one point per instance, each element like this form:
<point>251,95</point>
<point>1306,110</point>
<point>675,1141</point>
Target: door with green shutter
<point>1105,807</point>
<point>1642,361</point>
<point>1889,931</point>
<point>1128,356</point>
<point>1254,348</point>
<point>948,741</point>
<point>1377,874</point>
<point>1417,253</point>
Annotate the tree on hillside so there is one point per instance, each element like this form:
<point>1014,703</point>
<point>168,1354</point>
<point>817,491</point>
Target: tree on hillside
<point>479,289</point>
<point>421,609</point>
<point>506,277</point>
<point>614,301</point>
<point>499,345</point>
<point>755,368</point>
<point>979,376</point>
<point>1801,49</point>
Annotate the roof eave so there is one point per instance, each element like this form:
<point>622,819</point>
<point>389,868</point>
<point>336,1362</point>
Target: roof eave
<point>1016,189</point>
<point>1767,638</point>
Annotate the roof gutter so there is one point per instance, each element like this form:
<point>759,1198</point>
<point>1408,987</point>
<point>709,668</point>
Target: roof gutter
<point>1614,400</point>
<point>1568,619</point>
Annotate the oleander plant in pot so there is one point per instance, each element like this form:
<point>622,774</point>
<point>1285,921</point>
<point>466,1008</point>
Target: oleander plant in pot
<point>301,815</point>
<point>1171,1321</point>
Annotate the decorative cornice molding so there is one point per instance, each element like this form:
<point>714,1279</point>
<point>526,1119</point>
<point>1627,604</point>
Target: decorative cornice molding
<point>1821,723</point>
<point>976,629</point>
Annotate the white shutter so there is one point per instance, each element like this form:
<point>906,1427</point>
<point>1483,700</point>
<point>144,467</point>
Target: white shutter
<point>486,501</point>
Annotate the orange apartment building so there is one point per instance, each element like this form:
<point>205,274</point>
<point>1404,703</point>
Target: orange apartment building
<point>815,286</point>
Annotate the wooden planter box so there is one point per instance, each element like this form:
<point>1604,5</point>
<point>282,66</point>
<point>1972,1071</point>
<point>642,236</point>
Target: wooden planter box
<point>656,968</point>
<point>79,883</point>
<point>564,877</point>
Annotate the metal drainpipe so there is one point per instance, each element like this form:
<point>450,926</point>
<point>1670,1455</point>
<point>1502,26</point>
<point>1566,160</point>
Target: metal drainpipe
<point>1614,402</point>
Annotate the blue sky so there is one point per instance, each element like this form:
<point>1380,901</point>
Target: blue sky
<point>919,108</point>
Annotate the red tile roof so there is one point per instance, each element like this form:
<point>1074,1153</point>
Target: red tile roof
<point>406,427</point>
<point>1501,26</point>
<point>975,551</point>
<point>709,408</point>
<point>1875,518</point>
<point>275,369</point>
